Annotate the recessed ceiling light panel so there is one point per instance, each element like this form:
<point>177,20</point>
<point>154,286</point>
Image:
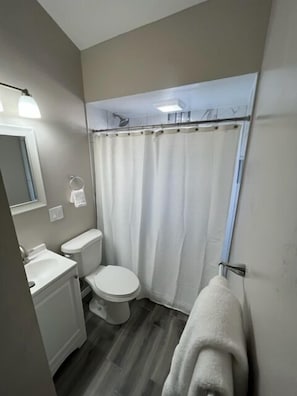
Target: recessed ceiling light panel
<point>170,106</point>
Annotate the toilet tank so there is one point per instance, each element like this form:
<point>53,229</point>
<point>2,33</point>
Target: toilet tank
<point>86,250</point>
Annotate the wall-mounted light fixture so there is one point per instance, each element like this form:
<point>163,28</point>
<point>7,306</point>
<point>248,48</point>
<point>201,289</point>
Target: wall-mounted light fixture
<point>170,106</point>
<point>27,105</point>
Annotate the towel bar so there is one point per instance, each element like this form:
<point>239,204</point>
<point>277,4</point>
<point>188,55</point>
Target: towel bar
<point>238,269</point>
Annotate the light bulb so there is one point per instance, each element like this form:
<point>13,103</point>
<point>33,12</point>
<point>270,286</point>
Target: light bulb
<point>28,107</point>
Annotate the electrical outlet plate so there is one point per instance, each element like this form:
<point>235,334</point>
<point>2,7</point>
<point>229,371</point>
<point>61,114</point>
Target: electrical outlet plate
<point>56,213</point>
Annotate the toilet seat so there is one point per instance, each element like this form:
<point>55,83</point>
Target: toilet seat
<point>114,283</point>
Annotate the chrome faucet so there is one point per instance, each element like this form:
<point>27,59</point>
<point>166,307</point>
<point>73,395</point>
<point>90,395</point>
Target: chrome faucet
<point>24,254</point>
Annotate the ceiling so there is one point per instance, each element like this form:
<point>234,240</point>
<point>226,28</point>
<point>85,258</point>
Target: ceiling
<point>226,92</point>
<point>89,22</point>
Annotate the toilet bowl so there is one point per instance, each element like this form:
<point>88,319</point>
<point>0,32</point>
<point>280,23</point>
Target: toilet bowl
<point>112,286</point>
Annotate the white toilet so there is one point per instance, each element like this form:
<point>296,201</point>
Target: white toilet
<point>113,286</point>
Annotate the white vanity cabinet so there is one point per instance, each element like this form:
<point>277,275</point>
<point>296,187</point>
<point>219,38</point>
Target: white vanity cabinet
<point>60,316</point>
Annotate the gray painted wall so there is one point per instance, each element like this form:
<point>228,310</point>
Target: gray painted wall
<point>37,55</point>
<point>212,40</point>
<point>266,229</point>
<point>23,364</point>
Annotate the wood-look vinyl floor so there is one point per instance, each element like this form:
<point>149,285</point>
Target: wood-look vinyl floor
<point>128,360</point>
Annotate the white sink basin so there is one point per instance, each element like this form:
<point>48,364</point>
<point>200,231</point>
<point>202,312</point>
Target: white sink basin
<point>44,267</point>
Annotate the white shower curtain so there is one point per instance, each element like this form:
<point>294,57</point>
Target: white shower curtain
<point>163,202</point>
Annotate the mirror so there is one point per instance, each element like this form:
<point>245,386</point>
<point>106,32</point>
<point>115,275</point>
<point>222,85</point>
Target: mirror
<point>20,167</point>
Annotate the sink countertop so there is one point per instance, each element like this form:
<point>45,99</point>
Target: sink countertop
<point>44,267</point>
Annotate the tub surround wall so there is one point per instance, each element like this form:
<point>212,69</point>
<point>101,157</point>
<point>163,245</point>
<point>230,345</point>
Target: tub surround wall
<point>102,119</point>
<point>36,54</point>
<point>212,40</point>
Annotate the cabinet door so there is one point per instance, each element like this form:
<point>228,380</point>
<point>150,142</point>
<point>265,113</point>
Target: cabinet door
<point>60,316</point>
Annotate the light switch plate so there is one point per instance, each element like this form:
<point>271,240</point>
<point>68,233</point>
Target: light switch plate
<point>56,213</point>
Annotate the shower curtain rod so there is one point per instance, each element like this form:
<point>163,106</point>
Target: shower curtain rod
<point>180,124</point>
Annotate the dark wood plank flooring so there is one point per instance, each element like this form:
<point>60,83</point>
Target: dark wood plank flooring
<point>128,360</point>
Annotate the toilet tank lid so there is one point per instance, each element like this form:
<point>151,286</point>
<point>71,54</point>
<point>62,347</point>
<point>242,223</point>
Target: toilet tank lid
<point>80,242</point>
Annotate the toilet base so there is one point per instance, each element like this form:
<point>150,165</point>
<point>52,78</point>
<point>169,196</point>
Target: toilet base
<point>112,312</point>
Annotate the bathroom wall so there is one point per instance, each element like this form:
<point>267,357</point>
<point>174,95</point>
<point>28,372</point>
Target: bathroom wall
<point>212,40</point>
<point>23,364</point>
<point>266,230</point>
<point>37,55</point>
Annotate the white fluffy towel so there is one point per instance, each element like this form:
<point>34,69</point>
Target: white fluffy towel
<point>211,355</point>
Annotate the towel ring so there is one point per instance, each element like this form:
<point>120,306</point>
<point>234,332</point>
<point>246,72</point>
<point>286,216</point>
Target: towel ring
<point>76,183</point>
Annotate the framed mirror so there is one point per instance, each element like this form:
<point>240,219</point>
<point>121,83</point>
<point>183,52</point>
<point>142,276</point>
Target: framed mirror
<point>20,167</point>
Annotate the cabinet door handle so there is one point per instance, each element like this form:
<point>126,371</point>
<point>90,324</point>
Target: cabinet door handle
<point>75,276</point>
